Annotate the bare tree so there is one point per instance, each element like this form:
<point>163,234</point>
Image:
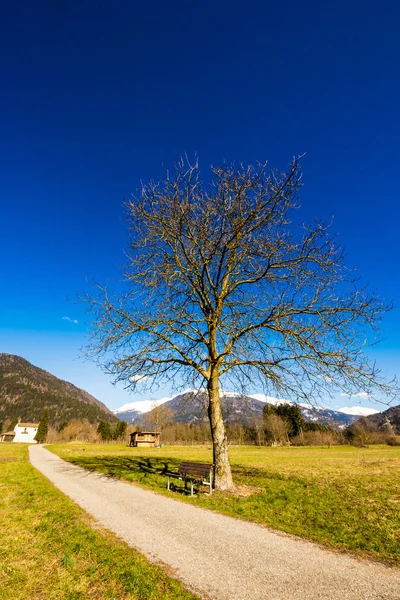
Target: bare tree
<point>276,429</point>
<point>221,287</point>
<point>258,427</point>
<point>159,417</point>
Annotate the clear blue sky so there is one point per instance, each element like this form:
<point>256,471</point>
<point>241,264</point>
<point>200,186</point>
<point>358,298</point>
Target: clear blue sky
<point>96,96</point>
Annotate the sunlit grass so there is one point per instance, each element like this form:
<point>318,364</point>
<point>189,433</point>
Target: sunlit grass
<point>49,550</point>
<point>341,496</point>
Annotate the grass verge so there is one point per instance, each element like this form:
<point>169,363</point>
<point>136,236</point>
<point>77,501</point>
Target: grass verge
<point>343,497</point>
<point>50,551</point>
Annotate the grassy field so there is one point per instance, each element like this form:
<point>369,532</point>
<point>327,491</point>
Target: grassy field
<point>344,497</point>
<point>51,550</point>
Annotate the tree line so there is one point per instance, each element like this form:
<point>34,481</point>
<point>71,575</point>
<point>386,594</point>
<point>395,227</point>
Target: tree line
<point>279,425</point>
<point>270,430</point>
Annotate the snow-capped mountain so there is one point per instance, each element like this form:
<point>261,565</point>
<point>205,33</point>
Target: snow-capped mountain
<point>191,407</point>
<point>140,406</point>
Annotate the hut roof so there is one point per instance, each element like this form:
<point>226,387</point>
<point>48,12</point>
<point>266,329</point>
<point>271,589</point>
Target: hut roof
<point>146,433</point>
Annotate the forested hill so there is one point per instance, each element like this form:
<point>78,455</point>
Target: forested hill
<point>26,390</point>
<point>389,419</point>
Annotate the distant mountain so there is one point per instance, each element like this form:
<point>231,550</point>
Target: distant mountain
<point>132,411</point>
<point>191,407</point>
<point>391,414</point>
<point>26,390</point>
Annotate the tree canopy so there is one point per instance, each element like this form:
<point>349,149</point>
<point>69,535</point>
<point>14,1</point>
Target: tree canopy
<point>223,288</point>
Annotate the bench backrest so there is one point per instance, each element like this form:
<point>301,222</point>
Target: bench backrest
<point>200,470</point>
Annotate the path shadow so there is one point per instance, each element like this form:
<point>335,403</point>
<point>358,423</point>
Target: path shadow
<point>153,470</point>
<point>126,467</point>
<point>149,470</point>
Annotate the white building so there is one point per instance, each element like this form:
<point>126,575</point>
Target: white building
<point>23,432</point>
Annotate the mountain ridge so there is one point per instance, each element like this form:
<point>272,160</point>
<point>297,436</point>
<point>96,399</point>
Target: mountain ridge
<point>26,390</point>
<point>190,407</point>
<point>390,416</point>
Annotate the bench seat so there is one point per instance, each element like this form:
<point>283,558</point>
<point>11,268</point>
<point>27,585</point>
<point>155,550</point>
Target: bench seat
<point>192,472</point>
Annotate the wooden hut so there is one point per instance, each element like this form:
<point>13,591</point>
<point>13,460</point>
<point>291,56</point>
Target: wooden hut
<point>145,439</point>
<point>7,437</point>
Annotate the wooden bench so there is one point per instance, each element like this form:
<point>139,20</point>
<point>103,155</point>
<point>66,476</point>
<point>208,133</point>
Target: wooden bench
<point>193,473</point>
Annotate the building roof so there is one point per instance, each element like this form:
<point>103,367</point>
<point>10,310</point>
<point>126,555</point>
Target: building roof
<point>146,433</point>
<point>28,424</point>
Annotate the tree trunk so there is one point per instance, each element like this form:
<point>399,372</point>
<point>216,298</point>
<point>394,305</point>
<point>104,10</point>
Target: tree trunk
<point>222,468</point>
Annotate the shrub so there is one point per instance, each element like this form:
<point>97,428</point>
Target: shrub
<point>316,438</point>
<point>393,440</point>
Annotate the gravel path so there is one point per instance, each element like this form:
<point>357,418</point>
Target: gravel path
<point>216,556</point>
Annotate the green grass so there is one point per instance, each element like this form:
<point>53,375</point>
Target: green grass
<point>52,550</point>
<point>343,497</point>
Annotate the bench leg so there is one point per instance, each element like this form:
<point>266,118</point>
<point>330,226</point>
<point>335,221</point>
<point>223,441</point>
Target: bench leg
<point>191,488</point>
<point>168,484</point>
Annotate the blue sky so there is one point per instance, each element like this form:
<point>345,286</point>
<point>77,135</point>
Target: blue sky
<point>97,96</point>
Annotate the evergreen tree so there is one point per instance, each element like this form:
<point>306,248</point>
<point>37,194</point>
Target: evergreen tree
<point>120,430</point>
<point>43,428</point>
<point>104,431</point>
<point>269,409</point>
<point>291,413</point>
<point>312,426</point>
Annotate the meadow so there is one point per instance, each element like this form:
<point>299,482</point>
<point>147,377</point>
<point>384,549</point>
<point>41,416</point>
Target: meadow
<point>52,550</point>
<point>343,497</point>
